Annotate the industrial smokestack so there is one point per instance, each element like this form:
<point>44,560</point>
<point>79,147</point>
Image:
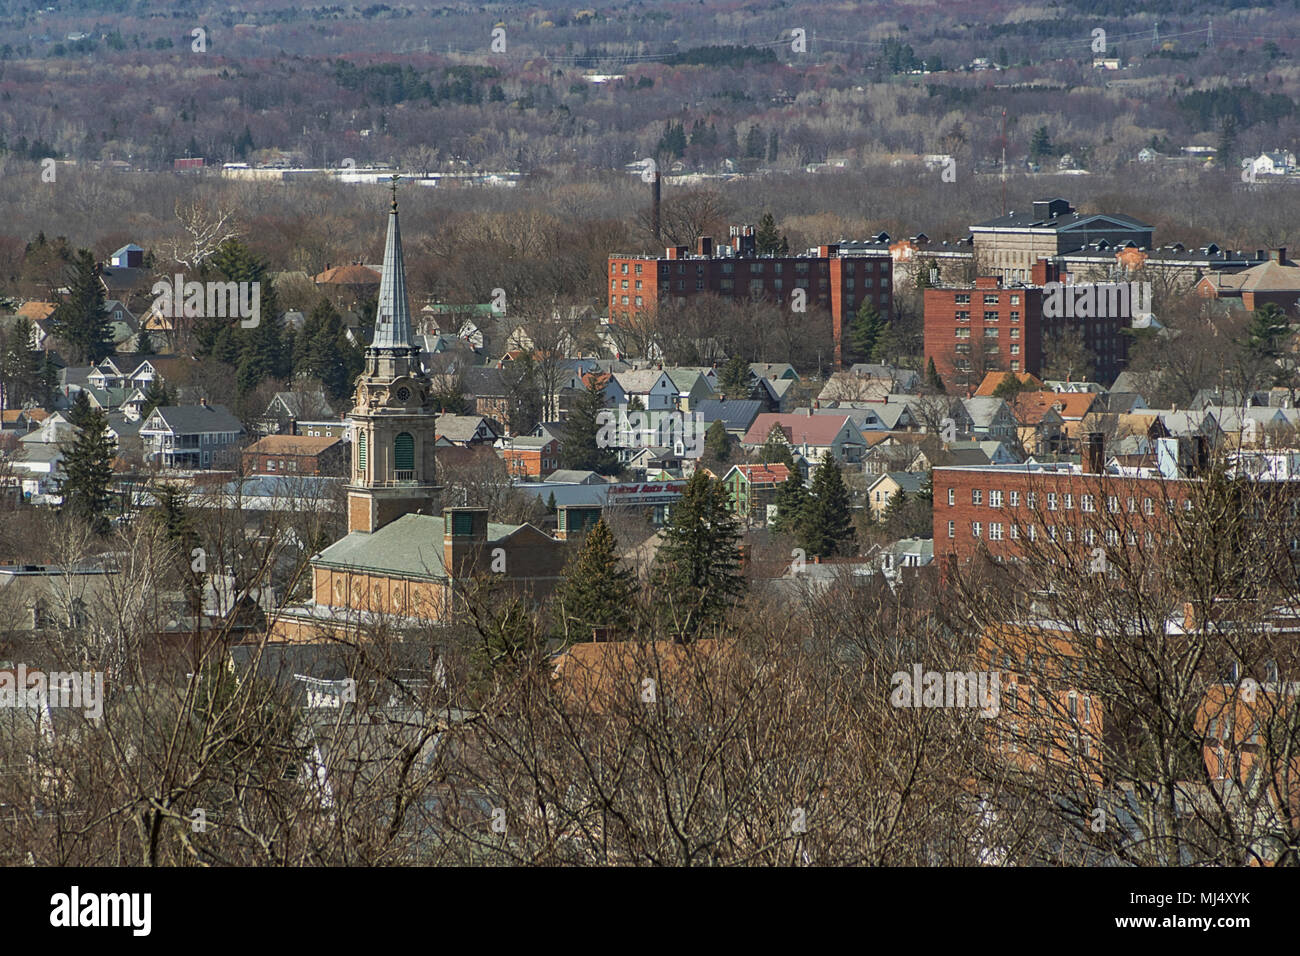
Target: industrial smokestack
<point>654,206</point>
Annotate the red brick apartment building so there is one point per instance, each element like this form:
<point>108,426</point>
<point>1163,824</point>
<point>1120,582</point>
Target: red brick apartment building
<point>838,278</point>
<point>996,509</point>
<point>973,330</point>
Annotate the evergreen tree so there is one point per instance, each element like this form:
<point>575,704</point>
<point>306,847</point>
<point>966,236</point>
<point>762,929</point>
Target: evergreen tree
<point>754,142</point>
<point>717,443</point>
<point>173,515</point>
<point>322,351</point>
<point>697,569</point>
<point>790,500</point>
<point>550,505</point>
<point>773,144</point>
<point>867,330</point>
<point>80,319</point>
<point>597,590</point>
<point>20,366</point>
<point>158,396</point>
<point>1010,386</point>
<point>767,239</point>
<point>827,526</point>
<point>1268,324</point>
<point>88,466</point>
<point>733,380</point>
<point>1040,144</point>
<point>932,378</point>
<point>144,343</point>
<point>584,433</point>
<point>776,450</point>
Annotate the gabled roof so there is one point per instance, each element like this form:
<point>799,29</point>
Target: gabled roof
<point>685,379</point>
<point>574,476</point>
<point>462,427</point>
<point>301,404</point>
<point>483,381</point>
<point>193,419</point>
<point>348,275</point>
<point>35,310</point>
<point>982,410</point>
<point>801,429</point>
<point>640,381</point>
<point>761,474</point>
<point>734,415</point>
<point>292,445</point>
<point>993,379</point>
<point>909,482</point>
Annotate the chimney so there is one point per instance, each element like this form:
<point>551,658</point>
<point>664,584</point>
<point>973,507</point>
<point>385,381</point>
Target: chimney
<point>1094,455</point>
<point>705,246</point>
<point>464,540</point>
<point>293,425</point>
<point>655,195</point>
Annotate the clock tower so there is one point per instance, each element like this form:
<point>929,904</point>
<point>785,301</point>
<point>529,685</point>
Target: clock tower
<point>393,421</point>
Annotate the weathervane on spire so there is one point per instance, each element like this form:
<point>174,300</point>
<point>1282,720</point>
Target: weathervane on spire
<point>394,189</point>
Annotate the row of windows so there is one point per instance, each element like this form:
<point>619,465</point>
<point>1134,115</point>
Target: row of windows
<point>962,315</point>
<point>999,531</point>
<point>990,298</point>
<point>1087,503</point>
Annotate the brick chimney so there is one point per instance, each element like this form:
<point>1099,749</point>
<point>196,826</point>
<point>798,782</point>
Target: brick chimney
<point>464,540</point>
<point>705,246</point>
<point>1045,271</point>
<point>1094,453</point>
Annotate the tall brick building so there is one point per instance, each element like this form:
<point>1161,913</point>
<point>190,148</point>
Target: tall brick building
<point>837,278</point>
<point>1010,245</point>
<point>993,326</point>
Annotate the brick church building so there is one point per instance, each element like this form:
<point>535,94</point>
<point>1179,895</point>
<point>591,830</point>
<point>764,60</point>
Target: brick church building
<point>404,558</point>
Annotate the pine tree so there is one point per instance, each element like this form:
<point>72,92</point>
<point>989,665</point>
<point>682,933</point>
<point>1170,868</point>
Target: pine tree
<point>827,526</point>
<point>1268,323</point>
<point>767,239</point>
<point>80,319</point>
<point>597,590</point>
<point>1010,386</point>
<point>697,572</point>
<point>144,343</point>
<point>776,450</point>
<point>754,142</point>
<point>932,378</point>
<point>583,438</point>
<point>322,351</point>
<point>158,396</point>
<point>790,500</point>
<point>88,466</point>
<point>866,332</point>
<point>717,443</point>
<point>773,144</point>
<point>733,380</point>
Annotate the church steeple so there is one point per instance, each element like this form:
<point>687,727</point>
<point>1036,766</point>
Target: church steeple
<point>394,419</point>
<point>393,319</point>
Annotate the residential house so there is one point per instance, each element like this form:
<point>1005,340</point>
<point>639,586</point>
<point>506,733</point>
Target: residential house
<point>296,455</point>
<point>199,436</point>
<point>736,415</point>
<point>466,430</point>
<point>985,418</point>
<point>751,488</point>
<point>881,491</point>
<point>810,435</point>
<point>692,386</point>
<point>287,408</point>
<point>531,456</point>
<point>652,387</point>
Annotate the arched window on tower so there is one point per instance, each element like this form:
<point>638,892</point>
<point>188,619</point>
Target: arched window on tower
<point>404,457</point>
<point>361,454</point>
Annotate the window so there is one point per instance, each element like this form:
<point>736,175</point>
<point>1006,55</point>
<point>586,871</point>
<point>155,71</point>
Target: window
<point>1015,333</point>
<point>976,529</point>
<point>624,269</point>
<point>963,333</point>
<point>1087,503</point>
<point>1112,504</point>
<point>1015,316</point>
<point>1033,532</point>
<point>990,333</point>
<point>638,268</point>
<point>1015,499</point>
<point>624,286</point>
<point>270,464</point>
<point>1148,508</point>
<point>1015,349</point>
<point>1089,536</point>
<point>1014,531</point>
<point>990,299</point>
<point>952,529</point>
<point>1015,299</point>
<point>952,497</point>
<point>963,316</point>
<point>638,301</point>
<point>404,456</point>
<point>1031,500</point>
<point>638,285</point>
<point>1015,365</point>
<point>990,316</point>
<point>962,298</point>
<point>976,496</point>
<point>1051,531</point>
<point>995,499</point>
<point>623,300</point>
<point>1051,501</point>
<point>995,531</point>
<point>1112,537</point>
<point>361,452</point>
